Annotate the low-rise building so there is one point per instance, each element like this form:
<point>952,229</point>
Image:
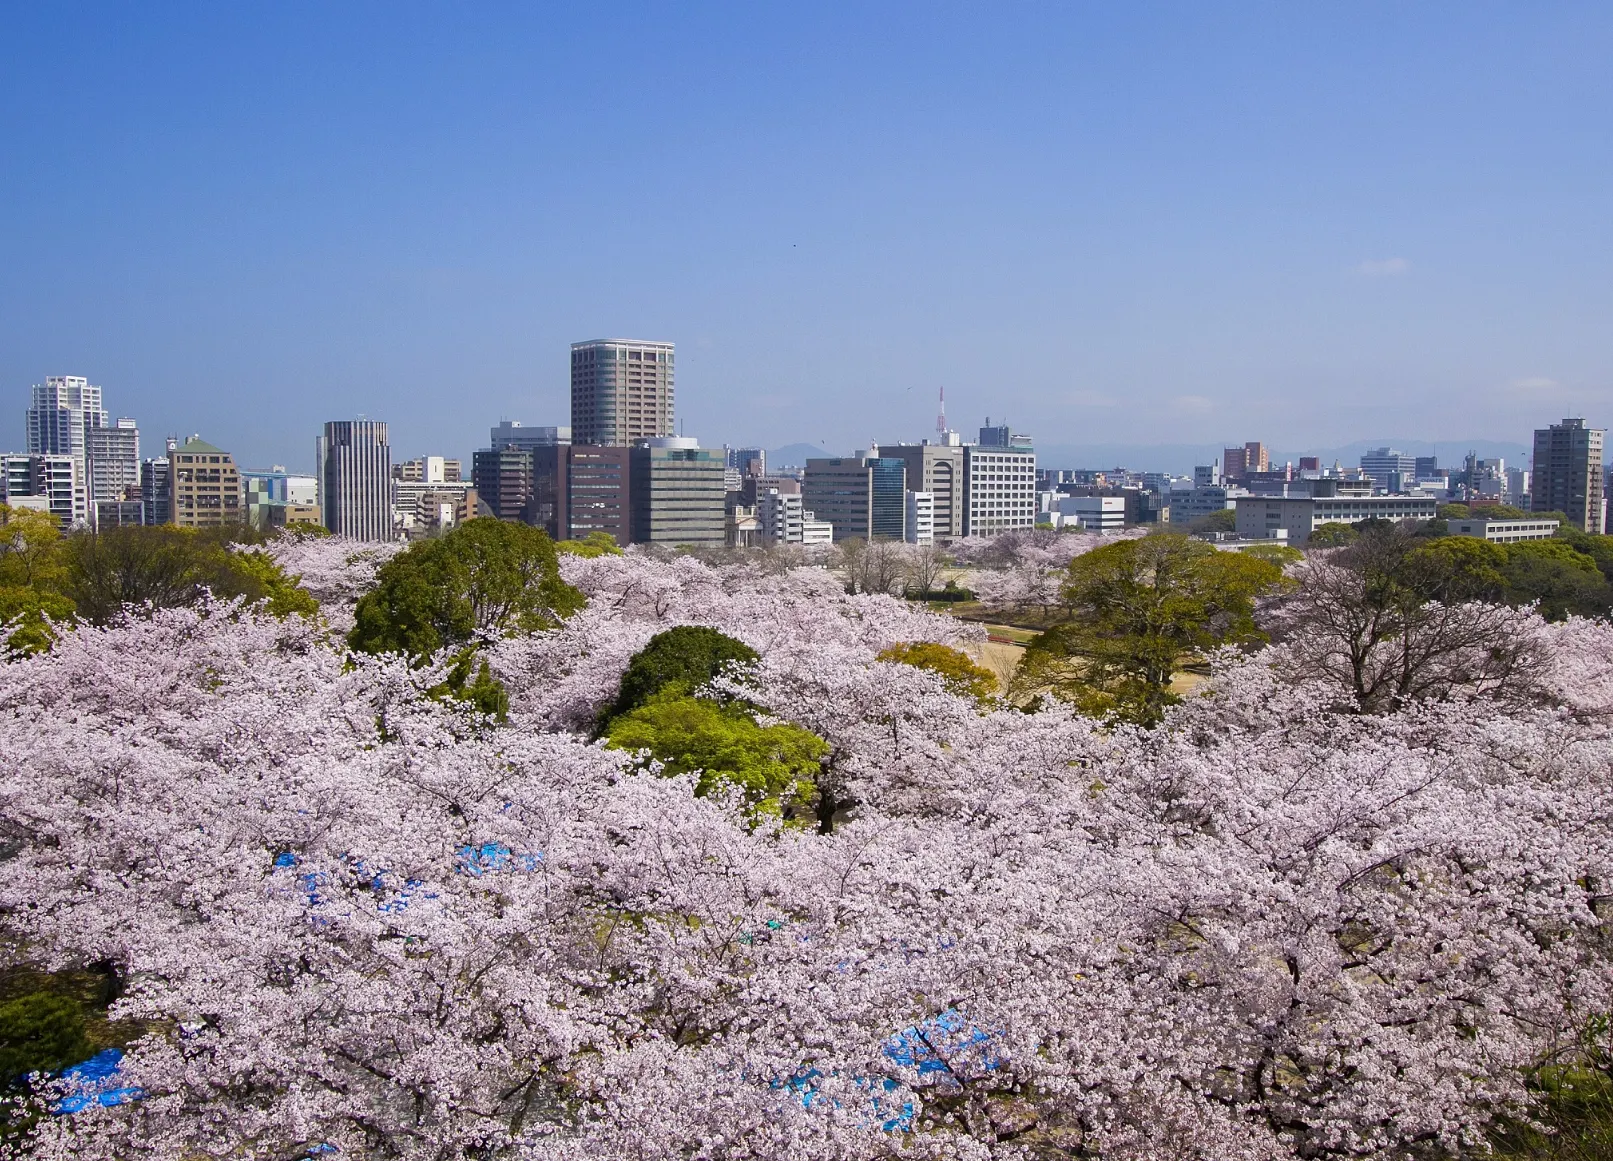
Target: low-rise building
<point>1504,531</point>
<point>815,532</point>
<point>1261,516</point>
<point>1093,513</point>
<point>49,482</point>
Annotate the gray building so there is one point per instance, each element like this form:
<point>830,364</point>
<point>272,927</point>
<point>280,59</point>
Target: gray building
<point>1568,473</point>
<point>1389,468</point>
<point>937,469</point>
<point>513,433</point>
<point>863,496</point>
<point>355,479</point>
<point>156,489</point>
<point>677,493</point>
<point>621,391</point>
<point>1260,517</point>
<point>999,485</point>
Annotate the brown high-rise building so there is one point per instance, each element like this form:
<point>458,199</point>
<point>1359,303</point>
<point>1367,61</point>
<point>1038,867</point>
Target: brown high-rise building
<point>1567,473</point>
<point>580,489</point>
<point>621,391</point>
<point>206,485</point>
<point>1236,462</point>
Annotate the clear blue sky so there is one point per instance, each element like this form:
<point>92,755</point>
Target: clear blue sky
<point>1304,223</point>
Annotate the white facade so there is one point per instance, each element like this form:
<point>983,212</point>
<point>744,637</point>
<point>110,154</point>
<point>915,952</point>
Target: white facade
<point>1262,516</point>
<point>1504,531</point>
<point>815,531</point>
<point>999,490</point>
<point>1094,513</point>
<point>355,486</point>
<point>919,525</point>
<point>51,481</point>
<point>780,519</point>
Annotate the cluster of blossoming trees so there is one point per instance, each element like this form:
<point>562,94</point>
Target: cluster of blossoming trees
<point>358,920</point>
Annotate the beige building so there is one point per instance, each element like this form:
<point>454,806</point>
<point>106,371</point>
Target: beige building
<point>206,485</point>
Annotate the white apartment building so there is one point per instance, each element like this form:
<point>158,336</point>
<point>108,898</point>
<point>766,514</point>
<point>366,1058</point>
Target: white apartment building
<point>999,486</point>
<point>780,519</point>
<point>1261,516</point>
<point>50,482</point>
<point>919,525</point>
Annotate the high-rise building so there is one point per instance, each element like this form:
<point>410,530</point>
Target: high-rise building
<point>156,488</point>
<point>64,407</point>
<point>205,485</point>
<point>621,391</point>
<point>113,455</point>
<point>1568,473</point>
<point>580,489</point>
<point>513,433</point>
<point>863,496</point>
<point>1388,468</point>
<point>1236,462</point>
<point>747,461</point>
<point>677,493</point>
<point>355,479</point>
<point>938,470</point>
<point>999,486</point>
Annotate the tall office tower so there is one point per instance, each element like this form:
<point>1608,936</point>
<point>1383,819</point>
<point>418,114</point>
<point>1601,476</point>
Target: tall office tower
<point>938,470</point>
<point>621,391</point>
<point>204,485</point>
<point>677,493</point>
<point>114,461</point>
<point>355,479</point>
<point>863,496</point>
<point>1568,473</point>
<point>514,433</point>
<point>999,485</point>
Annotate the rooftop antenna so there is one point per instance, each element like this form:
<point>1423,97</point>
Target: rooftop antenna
<point>941,420</point>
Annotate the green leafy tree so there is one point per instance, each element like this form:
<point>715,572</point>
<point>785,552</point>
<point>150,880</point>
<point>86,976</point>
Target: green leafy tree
<point>1559,577</point>
<point>1142,608</point>
<point>592,545</point>
<point>484,578</point>
<point>41,1032</point>
<point>168,567</point>
<point>1332,535</point>
<point>774,765</point>
<point>1598,548</point>
<point>961,675</point>
<point>1221,520</point>
<point>684,658</point>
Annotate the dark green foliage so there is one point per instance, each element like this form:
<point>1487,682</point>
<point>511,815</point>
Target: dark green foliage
<point>1223,520</point>
<point>169,567</point>
<point>486,694</point>
<point>687,657</point>
<point>41,1032</point>
<point>1332,535</point>
<point>484,578</point>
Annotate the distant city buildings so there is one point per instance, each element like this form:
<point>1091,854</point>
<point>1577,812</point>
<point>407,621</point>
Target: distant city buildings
<point>276,498</point>
<point>1568,473</point>
<point>999,488</point>
<point>355,479</point>
<point>512,433</point>
<point>936,468</point>
<point>621,391</point>
<point>1237,462</point>
<point>863,496</point>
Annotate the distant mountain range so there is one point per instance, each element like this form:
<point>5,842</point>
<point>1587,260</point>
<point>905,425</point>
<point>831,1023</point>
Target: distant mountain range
<point>1181,458</point>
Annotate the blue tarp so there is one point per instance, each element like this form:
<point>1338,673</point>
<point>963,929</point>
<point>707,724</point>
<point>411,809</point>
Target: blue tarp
<point>95,1082</point>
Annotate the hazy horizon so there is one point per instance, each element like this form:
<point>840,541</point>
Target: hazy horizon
<point>1143,226</point>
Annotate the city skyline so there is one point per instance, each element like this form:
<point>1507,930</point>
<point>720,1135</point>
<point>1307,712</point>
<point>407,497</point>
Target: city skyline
<point>1151,224</point>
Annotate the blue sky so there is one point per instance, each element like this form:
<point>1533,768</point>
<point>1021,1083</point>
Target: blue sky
<point>1110,223</point>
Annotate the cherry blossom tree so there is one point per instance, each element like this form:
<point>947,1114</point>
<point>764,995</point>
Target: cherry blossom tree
<point>355,920</point>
